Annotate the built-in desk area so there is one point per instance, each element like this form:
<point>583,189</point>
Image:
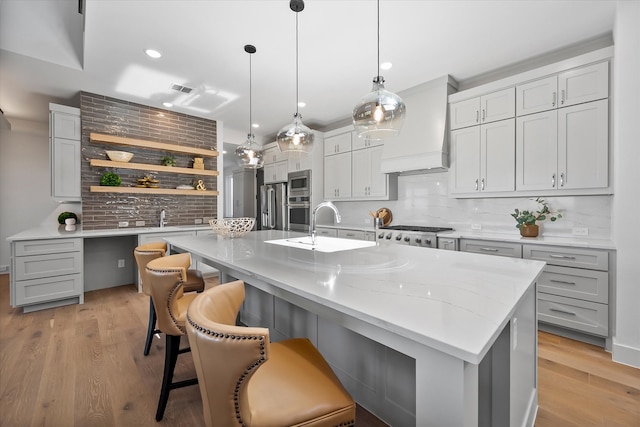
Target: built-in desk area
<point>51,266</point>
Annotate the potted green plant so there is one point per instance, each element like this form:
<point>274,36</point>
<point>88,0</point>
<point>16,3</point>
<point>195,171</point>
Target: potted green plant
<point>67,215</point>
<point>526,219</point>
<point>110,179</point>
<point>168,160</point>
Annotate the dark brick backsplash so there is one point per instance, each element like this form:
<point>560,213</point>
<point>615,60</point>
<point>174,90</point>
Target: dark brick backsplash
<point>112,116</point>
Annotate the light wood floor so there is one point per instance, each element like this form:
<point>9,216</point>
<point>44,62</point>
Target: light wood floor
<point>82,365</point>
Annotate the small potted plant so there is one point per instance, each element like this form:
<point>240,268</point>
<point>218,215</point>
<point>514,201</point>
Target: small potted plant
<point>168,160</point>
<point>526,220</point>
<point>110,179</point>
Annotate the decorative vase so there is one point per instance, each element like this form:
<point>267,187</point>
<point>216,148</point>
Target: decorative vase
<point>70,221</point>
<point>529,230</point>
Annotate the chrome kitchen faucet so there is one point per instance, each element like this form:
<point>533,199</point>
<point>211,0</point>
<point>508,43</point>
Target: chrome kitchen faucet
<point>313,221</point>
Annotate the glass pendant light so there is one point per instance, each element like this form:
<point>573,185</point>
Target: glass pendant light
<point>250,154</point>
<point>296,136</point>
<point>380,113</point>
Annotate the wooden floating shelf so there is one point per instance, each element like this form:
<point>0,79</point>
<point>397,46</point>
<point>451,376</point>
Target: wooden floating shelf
<point>136,190</point>
<point>133,142</point>
<point>148,167</point>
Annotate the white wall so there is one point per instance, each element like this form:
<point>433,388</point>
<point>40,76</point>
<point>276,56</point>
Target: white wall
<point>25,181</point>
<point>626,203</point>
<point>423,200</point>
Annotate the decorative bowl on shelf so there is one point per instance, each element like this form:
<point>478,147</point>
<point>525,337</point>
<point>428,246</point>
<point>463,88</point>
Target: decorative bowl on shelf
<point>119,156</point>
<point>232,227</point>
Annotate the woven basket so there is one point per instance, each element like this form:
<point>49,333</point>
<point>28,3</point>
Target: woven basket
<point>232,227</point>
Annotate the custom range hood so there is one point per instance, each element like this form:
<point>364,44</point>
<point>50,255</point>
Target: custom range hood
<point>422,145</point>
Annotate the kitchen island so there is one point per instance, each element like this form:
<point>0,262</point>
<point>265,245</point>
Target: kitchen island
<point>466,322</point>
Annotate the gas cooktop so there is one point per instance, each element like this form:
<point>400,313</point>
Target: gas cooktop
<point>416,228</point>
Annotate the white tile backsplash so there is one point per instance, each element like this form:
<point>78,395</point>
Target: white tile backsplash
<point>423,200</point>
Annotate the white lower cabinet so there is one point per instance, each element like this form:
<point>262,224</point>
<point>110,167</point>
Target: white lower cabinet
<point>376,376</point>
<point>47,273</point>
<point>573,290</point>
<point>327,232</point>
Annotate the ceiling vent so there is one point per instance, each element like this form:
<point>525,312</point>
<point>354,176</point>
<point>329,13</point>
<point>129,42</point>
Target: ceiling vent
<point>180,88</point>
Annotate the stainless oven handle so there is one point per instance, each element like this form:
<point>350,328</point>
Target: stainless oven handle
<point>299,205</point>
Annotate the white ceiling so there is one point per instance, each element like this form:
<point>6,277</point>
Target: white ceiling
<point>42,58</point>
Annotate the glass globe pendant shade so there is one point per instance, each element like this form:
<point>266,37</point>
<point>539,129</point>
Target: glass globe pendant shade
<point>380,114</point>
<point>250,154</point>
<point>295,136</point>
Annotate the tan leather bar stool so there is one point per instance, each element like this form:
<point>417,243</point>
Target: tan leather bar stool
<point>166,276</point>
<point>245,380</point>
<point>150,251</point>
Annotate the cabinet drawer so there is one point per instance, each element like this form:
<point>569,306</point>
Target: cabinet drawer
<point>327,232</point>
<point>49,246</point>
<point>39,266</point>
<point>568,257</point>
<point>586,285</point>
<point>48,289</point>
<point>513,250</point>
<point>584,316</point>
<point>351,234</point>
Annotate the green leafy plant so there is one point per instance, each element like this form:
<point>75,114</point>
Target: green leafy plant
<point>66,215</point>
<point>168,160</point>
<point>530,217</point>
<point>110,179</point>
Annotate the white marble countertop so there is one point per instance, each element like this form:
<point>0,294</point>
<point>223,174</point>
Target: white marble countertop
<point>39,233</point>
<point>508,236</point>
<point>451,301</point>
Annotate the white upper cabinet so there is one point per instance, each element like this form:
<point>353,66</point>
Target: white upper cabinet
<point>564,149</point>
<point>338,144</point>
<point>488,108</point>
<point>299,161</point>
<point>276,172</point>
<point>337,176</point>
<point>367,180</point>
<point>272,154</point>
<point>65,152</point>
<point>359,143</point>
<point>571,87</point>
<point>483,158</point>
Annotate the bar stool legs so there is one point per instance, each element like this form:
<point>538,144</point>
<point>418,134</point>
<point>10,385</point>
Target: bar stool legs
<point>170,357</point>
<point>151,329</point>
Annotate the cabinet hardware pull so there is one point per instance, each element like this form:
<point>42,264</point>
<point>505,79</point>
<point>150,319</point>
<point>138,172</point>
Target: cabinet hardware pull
<point>553,103</point>
<point>482,184</point>
<point>553,180</point>
<point>562,281</point>
<point>562,180</point>
<point>561,256</point>
<point>476,185</point>
<point>562,97</point>
<point>489,249</point>
<point>477,116</point>
<point>562,311</point>
<point>483,115</point>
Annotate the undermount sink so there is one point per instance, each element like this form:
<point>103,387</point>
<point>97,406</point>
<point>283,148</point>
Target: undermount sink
<point>322,244</point>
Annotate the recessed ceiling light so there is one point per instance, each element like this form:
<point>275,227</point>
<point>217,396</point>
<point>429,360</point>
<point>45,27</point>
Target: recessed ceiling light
<point>302,104</point>
<point>167,104</point>
<point>386,65</point>
<point>255,125</point>
<point>152,53</point>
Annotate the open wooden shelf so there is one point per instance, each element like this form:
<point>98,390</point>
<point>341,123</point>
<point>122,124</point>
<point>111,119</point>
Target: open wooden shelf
<point>148,167</point>
<point>137,190</point>
<point>133,142</point>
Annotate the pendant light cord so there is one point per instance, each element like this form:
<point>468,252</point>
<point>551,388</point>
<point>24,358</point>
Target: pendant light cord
<point>296,63</point>
<point>250,96</point>
<point>378,68</point>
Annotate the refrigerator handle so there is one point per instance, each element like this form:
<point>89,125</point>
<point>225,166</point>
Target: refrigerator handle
<point>271,194</point>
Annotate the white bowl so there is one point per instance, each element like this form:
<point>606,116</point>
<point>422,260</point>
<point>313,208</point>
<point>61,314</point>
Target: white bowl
<point>119,156</point>
<point>232,227</point>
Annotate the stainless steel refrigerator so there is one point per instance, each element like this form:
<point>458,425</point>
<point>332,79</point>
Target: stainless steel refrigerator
<point>273,206</point>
